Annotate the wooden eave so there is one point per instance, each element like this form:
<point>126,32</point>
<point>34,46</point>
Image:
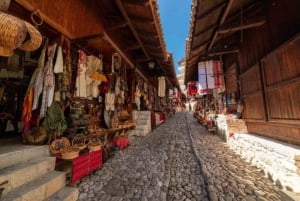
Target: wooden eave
<point>103,27</point>
<point>217,37</point>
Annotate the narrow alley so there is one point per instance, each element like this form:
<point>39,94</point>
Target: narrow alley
<point>178,161</point>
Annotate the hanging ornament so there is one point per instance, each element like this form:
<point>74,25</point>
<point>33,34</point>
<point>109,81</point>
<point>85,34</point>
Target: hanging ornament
<point>116,63</point>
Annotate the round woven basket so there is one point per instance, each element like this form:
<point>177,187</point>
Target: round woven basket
<point>70,153</point>
<point>35,40</point>
<point>5,51</point>
<point>79,141</point>
<point>94,143</point>
<point>37,136</point>
<point>59,144</point>
<point>13,32</point>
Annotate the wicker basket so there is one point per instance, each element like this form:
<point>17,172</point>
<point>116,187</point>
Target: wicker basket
<point>79,141</point>
<point>35,39</point>
<point>94,143</point>
<point>13,32</point>
<point>70,153</point>
<point>5,51</point>
<point>37,136</point>
<point>59,144</point>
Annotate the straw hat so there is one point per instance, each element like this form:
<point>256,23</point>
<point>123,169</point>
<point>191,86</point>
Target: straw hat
<point>34,41</point>
<point>98,76</point>
<point>12,33</point>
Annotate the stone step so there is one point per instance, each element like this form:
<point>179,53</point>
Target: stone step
<point>143,122</point>
<point>142,127</point>
<point>141,112</point>
<point>38,189</point>
<point>65,194</point>
<point>19,174</point>
<point>139,133</point>
<point>142,118</point>
<point>14,154</point>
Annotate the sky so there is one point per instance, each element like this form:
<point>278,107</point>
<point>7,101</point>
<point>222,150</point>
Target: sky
<point>175,18</point>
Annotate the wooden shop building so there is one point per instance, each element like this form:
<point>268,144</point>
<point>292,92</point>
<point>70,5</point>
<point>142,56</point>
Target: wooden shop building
<point>75,77</point>
<point>257,44</point>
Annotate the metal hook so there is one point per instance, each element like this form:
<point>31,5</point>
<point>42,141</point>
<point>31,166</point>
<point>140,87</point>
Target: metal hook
<point>36,14</point>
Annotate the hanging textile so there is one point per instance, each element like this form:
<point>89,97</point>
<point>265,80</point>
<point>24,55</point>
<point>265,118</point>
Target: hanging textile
<point>49,81</point>
<point>94,64</point>
<point>161,86</point>
<point>202,78</point>
<point>59,62</point>
<point>66,76</point>
<point>218,74</point>
<point>27,109</point>
<point>192,88</point>
<point>110,101</point>
<point>118,86</point>
<point>210,75</point>
<point>38,78</point>
<point>81,78</point>
<point>55,119</point>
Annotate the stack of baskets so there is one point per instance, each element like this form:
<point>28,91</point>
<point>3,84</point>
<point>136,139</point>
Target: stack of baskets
<point>16,33</point>
<point>62,146</point>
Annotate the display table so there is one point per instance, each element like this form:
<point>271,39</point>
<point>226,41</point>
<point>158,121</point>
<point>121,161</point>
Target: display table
<point>80,166</point>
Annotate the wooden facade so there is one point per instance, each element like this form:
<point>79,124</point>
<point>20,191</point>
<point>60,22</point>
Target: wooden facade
<point>267,65</point>
<point>270,74</point>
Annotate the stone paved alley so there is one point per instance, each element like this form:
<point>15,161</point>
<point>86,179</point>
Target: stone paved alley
<point>178,161</point>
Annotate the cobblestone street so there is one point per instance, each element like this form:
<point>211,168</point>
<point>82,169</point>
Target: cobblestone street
<point>178,161</point>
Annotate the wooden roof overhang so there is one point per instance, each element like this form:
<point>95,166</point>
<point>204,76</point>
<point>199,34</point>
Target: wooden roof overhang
<point>215,28</point>
<point>129,27</point>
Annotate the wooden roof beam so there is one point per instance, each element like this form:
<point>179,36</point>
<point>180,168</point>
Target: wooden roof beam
<point>154,6</point>
<point>151,46</point>
<point>199,45</point>
<point>215,8</point>
<point>132,47</point>
<point>64,30</point>
<point>141,60</point>
<point>251,23</point>
<point>157,54</point>
<point>124,13</point>
<point>224,16</point>
<point>213,26</point>
<point>116,47</point>
<point>147,34</point>
<point>137,2</point>
<point>113,27</point>
<point>142,20</point>
<point>90,37</point>
<point>223,51</point>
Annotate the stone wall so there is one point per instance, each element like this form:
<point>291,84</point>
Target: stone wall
<point>280,161</point>
<point>228,125</point>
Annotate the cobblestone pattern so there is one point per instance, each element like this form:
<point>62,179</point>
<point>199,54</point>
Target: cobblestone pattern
<point>165,166</point>
<point>139,172</point>
<point>229,177</point>
<point>187,182</point>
